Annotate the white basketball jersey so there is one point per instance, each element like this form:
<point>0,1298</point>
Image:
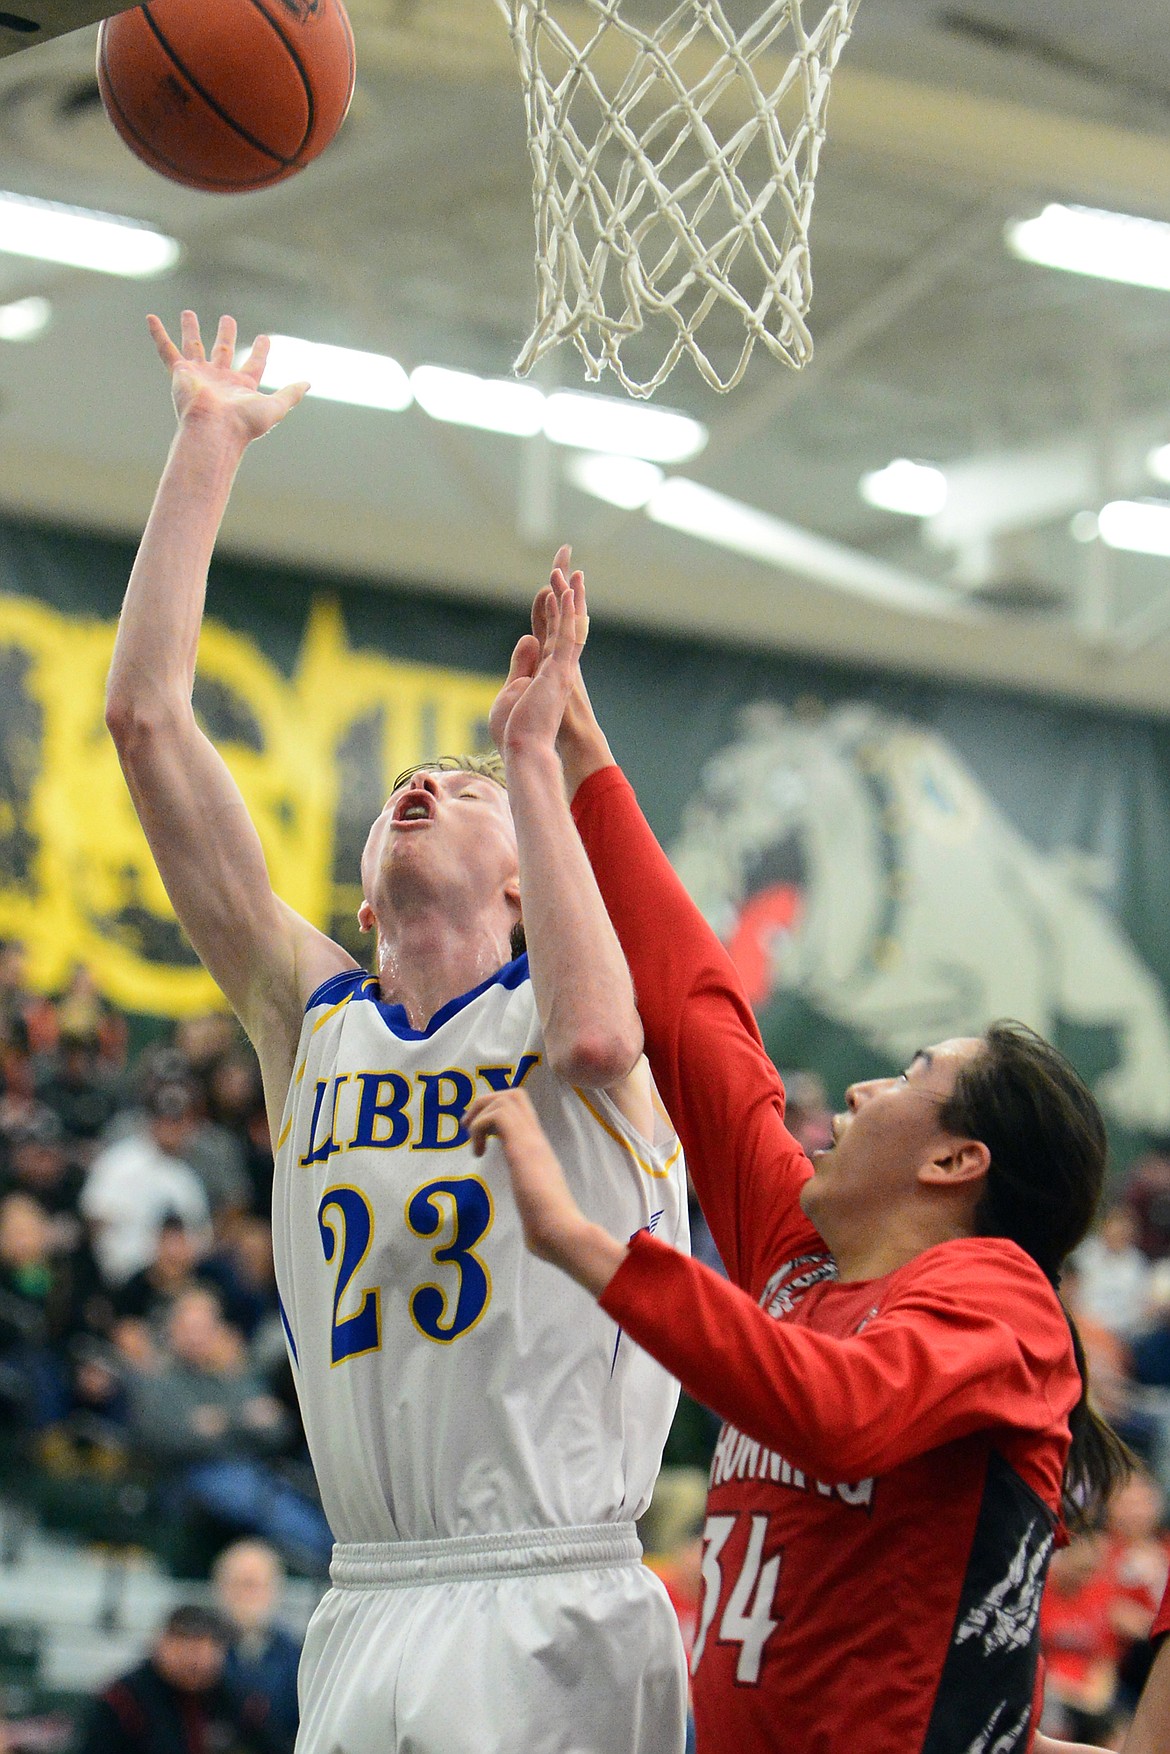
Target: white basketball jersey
<point>450,1383</point>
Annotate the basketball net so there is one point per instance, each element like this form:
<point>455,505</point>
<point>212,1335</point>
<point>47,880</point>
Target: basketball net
<point>674,169</point>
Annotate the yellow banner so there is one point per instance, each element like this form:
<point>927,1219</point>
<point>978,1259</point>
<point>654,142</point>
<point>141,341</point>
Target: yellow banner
<point>314,757</point>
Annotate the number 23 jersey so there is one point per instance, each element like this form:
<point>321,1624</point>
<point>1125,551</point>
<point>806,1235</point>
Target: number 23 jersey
<point>450,1383</point>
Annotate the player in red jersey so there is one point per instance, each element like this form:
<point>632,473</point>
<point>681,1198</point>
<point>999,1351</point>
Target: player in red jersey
<point>1149,1733</point>
<point>895,1368</point>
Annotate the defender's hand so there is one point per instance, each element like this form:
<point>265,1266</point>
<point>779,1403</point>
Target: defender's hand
<point>527,711</point>
<point>211,388</point>
<point>555,1229</point>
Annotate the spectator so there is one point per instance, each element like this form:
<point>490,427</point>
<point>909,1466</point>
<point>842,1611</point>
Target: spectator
<point>1137,1564</point>
<point>262,1660</point>
<point>39,1164</point>
<point>28,1022</point>
<point>1147,1193</point>
<point>807,1113</point>
<point>80,1090</point>
<point>210,1423</point>
<point>1078,1643</point>
<point>34,1314</point>
<point>1114,1274</point>
<point>142,1306</point>
<point>176,1701</point>
<point>84,1014</point>
<point>243,1273</point>
<point>137,1182</point>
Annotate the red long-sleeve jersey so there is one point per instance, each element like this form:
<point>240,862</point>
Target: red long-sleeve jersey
<point>885,1492</point>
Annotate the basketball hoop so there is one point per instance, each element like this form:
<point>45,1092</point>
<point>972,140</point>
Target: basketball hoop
<point>674,166</point>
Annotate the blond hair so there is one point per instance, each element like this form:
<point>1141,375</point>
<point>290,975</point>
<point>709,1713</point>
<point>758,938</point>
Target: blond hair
<point>486,767</point>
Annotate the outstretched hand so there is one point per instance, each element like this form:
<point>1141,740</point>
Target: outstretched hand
<point>210,386</point>
<point>545,664</point>
<point>554,1227</point>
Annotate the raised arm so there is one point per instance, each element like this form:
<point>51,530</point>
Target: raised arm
<point>264,957</point>
<point>582,986</point>
<point>962,1343</point>
<point>709,1063</point>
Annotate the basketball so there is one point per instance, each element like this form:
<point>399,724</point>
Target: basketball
<point>227,97</point>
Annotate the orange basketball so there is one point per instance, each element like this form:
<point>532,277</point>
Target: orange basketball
<point>227,95</point>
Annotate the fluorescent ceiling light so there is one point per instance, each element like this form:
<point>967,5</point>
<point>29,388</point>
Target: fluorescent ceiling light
<point>714,517</point>
<point>1089,240</point>
<point>52,232</point>
<point>338,374</point>
<point>24,319</point>
<point>1158,463</point>
<point>627,482</point>
<point>627,429</point>
<point>1140,525</point>
<point>917,490</point>
<point>492,404</point>
<point>589,423</point>
<point>1084,527</point>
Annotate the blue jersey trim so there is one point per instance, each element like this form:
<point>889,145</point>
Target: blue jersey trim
<point>355,983</point>
<point>292,1345</point>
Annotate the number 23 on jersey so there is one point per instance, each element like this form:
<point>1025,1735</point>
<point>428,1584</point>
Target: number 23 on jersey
<point>454,1213</point>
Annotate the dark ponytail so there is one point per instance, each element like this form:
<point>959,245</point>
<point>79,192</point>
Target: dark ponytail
<point>1049,1150</point>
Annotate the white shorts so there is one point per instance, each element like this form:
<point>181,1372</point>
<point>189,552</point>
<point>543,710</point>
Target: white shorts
<point>556,1641</point>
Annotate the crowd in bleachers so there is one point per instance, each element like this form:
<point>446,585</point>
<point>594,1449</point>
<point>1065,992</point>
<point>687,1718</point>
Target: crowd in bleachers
<point>143,1371</point>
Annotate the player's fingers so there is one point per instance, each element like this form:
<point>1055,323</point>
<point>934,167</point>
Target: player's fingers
<point>165,347</point>
<point>540,613</point>
<point>525,657</point>
<point>253,366</point>
<point>289,397</point>
<point>192,340</point>
<point>580,609</point>
<point>562,557</point>
<point>224,348</point>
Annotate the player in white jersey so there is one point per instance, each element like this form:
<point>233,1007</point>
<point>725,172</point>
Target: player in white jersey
<point>483,1436</point>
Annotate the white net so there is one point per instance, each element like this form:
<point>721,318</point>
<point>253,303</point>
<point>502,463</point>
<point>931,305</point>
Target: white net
<point>674,167</point>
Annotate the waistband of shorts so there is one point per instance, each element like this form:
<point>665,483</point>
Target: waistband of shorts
<point>379,1565</point>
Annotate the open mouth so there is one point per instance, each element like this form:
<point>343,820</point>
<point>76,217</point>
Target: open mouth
<point>413,806</point>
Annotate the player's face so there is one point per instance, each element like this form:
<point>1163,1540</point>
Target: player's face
<point>890,1131</point>
<point>441,831</point>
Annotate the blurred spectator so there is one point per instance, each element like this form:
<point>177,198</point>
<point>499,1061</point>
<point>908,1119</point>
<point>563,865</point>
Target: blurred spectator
<point>34,1314</point>
<point>79,1089</point>
<point>262,1660</point>
<point>137,1182</point>
<point>1137,1564</point>
<point>235,1100</point>
<point>807,1113</point>
<point>1114,1273</point>
<point>1078,1643</point>
<point>28,1022</point>
<point>244,1274</point>
<point>142,1306</point>
<point>1147,1193</point>
<point>1111,1376</point>
<point>39,1164</point>
<point>211,1151</point>
<point>176,1701</point>
<point>85,1015</point>
<point>203,1416</point>
<point>204,1040</point>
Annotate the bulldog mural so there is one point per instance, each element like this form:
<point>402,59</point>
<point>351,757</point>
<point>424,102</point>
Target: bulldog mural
<point>853,858</point>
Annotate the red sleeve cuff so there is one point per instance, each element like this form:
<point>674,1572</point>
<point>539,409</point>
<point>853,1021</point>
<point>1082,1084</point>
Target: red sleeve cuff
<point>606,779</point>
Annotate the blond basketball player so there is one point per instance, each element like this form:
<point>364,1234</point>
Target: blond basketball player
<point>483,1435</point>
